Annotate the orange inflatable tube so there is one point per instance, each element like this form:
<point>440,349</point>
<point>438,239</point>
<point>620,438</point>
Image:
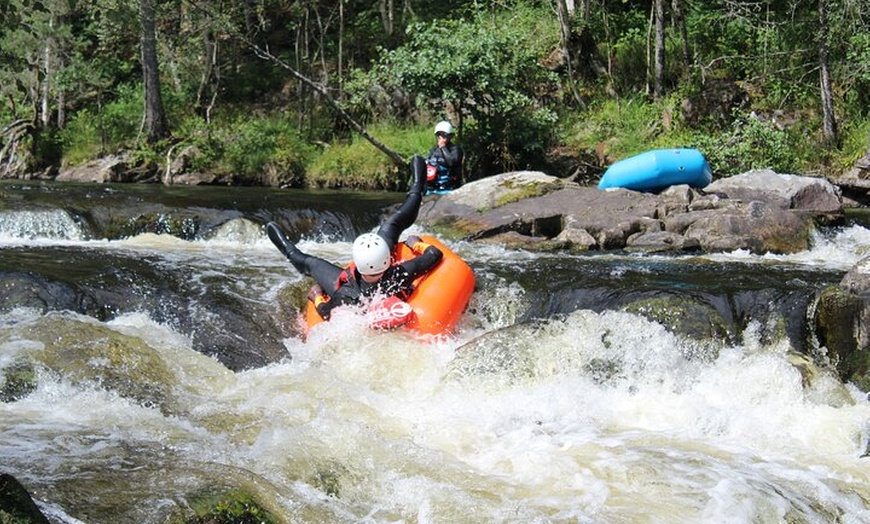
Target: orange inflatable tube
<point>439,298</point>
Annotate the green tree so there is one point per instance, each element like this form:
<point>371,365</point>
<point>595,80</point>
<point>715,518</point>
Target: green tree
<point>36,46</point>
<point>485,75</point>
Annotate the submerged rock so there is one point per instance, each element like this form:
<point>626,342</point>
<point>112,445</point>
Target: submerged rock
<point>223,506</point>
<point>89,352</point>
<point>16,504</point>
<point>17,381</point>
<point>683,316</point>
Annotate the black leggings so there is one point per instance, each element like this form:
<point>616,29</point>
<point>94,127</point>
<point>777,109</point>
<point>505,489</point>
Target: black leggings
<point>405,216</point>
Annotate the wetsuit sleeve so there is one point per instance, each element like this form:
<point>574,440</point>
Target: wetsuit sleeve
<point>405,216</point>
<point>456,165</point>
<point>452,156</point>
<point>339,297</point>
<point>423,263</point>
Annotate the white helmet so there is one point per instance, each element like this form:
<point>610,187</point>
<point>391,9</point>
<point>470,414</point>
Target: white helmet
<point>444,127</point>
<point>371,254</point>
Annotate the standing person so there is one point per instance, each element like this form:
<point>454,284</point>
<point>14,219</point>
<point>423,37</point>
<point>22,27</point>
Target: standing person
<point>444,171</point>
<point>372,272</point>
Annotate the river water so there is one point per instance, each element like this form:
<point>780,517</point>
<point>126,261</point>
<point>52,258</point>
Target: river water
<point>165,366</point>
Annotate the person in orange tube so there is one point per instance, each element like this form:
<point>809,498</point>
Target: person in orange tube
<point>373,271</point>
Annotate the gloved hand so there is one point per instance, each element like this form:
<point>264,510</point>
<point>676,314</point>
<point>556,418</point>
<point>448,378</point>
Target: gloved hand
<point>320,301</point>
<point>411,240</point>
<point>314,293</point>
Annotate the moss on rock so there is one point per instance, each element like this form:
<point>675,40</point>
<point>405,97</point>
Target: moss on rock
<point>18,381</point>
<point>682,316</point>
<point>233,506</point>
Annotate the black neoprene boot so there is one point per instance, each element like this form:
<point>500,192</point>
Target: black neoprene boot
<point>418,175</point>
<point>277,236</point>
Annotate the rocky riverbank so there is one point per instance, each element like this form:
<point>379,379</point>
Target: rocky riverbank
<point>760,211</point>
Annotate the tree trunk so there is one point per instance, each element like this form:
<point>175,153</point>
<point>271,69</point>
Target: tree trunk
<point>48,73</point>
<point>680,21</point>
<point>340,68</point>
<point>829,126</point>
<point>658,82</point>
<point>155,118</point>
<point>564,12</point>
<point>207,89</point>
<point>387,16</point>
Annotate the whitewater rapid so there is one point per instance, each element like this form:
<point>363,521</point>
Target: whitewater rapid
<point>593,417</point>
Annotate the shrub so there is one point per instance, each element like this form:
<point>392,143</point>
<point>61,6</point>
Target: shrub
<point>626,126</point>
<point>266,149</point>
<point>750,144</point>
<point>113,127</point>
<point>359,165</point>
<point>487,71</point>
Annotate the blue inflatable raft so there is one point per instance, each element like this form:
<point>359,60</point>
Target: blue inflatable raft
<point>659,169</point>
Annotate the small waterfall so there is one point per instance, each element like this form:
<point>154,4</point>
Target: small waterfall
<point>52,224</point>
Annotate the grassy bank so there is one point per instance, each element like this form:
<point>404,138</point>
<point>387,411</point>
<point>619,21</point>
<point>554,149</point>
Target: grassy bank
<point>264,147</point>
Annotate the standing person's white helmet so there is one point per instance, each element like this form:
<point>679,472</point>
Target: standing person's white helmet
<point>371,255</point>
<point>444,127</point>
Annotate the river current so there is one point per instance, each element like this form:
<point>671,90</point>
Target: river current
<point>551,404</point>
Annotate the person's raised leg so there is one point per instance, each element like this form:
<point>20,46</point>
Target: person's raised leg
<point>277,236</point>
<point>405,216</point>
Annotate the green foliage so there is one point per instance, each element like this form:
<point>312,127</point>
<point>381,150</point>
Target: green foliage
<point>858,71</point>
<point>750,144</point>
<point>266,149</point>
<point>724,43</point>
<point>94,132</point>
<point>621,129</point>
<point>627,127</point>
<point>359,165</point>
<point>229,507</point>
<point>629,52</point>
<point>487,71</point>
<point>856,143</point>
<point>477,62</point>
<point>252,145</point>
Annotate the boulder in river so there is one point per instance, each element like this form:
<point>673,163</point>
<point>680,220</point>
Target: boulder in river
<point>759,211</point>
<point>841,319</point>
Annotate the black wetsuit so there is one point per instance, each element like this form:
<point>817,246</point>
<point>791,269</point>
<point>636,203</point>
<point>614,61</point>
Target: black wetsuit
<point>345,285</point>
<point>448,159</point>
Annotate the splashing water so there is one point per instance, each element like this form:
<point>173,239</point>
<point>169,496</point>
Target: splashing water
<point>593,417</point>
<point>584,422</point>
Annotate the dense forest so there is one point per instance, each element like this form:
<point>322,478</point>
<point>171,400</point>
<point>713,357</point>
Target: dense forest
<point>340,93</point>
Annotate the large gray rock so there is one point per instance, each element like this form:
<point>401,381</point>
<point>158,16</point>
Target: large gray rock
<point>800,193</point>
<point>112,168</point>
<point>773,214</point>
<point>756,226</point>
